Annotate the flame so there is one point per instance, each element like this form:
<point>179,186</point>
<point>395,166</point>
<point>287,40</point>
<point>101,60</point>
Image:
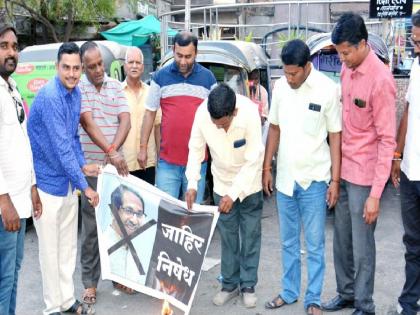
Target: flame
<point>166,310</point>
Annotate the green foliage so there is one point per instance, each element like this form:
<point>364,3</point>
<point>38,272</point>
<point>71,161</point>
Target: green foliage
<point>248,38</point>
<point>66,13</point>
<point>294,34</point>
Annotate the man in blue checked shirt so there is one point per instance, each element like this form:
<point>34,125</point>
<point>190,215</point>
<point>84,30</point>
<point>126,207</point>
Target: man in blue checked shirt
<point>60,169</point>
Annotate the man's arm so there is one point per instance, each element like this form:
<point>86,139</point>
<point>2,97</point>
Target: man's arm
<point>157,140</point>
<point>124,121</point>
<point>196,154</point>
<point>93,131</point>
<point>8,213</point>
<point>146,129</point>
<point>383,105</point>
<point>334,139</point>
<point>396,163</point>
<point>270,149</point>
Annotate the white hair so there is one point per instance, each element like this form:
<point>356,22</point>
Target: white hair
<point>133,48</point>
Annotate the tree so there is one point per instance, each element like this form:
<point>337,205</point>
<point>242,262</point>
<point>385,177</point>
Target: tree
<point>64,13</point>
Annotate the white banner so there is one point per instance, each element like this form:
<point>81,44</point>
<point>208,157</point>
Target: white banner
<point>148,241</point>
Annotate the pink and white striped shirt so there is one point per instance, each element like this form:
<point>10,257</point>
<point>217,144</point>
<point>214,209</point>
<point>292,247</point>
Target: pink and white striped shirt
<point>105,106</point>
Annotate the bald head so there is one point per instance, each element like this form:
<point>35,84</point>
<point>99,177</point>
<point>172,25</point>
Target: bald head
<point>133,65</point>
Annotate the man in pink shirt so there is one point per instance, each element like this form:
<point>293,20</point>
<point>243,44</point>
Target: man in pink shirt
<point>368,143</point>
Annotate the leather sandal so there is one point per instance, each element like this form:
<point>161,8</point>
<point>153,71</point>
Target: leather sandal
<point>277,302</point>
<point>89,296</point>
<point>76,308</point>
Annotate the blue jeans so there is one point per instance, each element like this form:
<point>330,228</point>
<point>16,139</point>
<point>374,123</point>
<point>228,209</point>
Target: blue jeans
<point>11,255</point>
<point>309,207</point>
<point>171,179</point>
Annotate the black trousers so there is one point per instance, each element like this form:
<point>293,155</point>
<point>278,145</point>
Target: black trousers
<point>410,211</point>
<point>148,174</point>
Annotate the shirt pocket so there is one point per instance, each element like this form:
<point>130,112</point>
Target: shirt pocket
<point>238,145</point>
<point>361,117</point>
<point>9,115</point>
<point>312,119</point>
<point>239,155</point>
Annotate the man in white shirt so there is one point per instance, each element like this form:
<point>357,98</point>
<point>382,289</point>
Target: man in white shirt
<point>409,179</point>
<point>305,110</point>
<point>18,193</point>
<point>230,125</point>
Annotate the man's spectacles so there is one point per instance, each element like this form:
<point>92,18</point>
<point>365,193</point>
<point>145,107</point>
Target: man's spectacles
<point>130,211</point>
<point>415,42</point>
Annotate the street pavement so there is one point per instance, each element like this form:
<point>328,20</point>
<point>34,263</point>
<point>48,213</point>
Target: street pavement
<point>388,281</point>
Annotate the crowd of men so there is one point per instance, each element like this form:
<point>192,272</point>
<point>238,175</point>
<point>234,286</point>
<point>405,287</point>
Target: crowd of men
<point>335,146</point>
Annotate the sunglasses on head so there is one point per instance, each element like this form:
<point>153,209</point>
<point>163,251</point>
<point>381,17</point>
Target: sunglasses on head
<point>20,112</point>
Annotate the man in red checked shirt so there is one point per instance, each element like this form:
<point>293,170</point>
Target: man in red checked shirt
<point>368,143</point>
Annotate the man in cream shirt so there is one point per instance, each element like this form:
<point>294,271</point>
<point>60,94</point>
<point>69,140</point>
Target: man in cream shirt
<point>136,92</point>
<point>230,125</point>
<point>305,110</point>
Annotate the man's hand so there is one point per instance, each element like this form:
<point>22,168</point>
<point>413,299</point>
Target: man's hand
<point>9,215</point>
<point>92,196</point>
<point>119,162</point>
<point>36,203</point>
<point>142,157</point>
<point>91,170</point>
<point>371,211</point>
<point>267,182</point>
<point>225,204</point>
<point>396,172</point>
<point>332,194</point>
<point>190,197</point>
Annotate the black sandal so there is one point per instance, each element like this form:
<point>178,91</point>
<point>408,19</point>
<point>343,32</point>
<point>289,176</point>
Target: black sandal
<point>277,302</point>
<point>77,308</point>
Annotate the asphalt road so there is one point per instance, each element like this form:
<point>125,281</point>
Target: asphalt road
<point>388,282</point>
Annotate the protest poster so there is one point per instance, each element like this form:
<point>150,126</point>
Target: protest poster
<point>149,241</point>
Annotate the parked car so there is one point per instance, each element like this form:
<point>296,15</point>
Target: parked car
<point>37,65</point>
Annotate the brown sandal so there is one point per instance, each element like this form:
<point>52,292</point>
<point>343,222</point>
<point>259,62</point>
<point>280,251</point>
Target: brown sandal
<point>123,288</point>
<point>89,296</point>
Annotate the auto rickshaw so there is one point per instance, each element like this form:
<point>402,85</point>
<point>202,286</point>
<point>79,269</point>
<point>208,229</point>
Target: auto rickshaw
<point>37,65</point>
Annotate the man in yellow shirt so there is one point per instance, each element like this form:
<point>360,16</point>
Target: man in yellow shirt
<point>230,125</point>
<point>136,92</point>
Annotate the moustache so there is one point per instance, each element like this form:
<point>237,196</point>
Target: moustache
<point>11,59</point>
<point>131,225</point>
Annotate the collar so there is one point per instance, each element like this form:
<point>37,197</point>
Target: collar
<point>10,82</point>
<point>364,67</point>
<point>311,80</point>
<point>125,84</point>
<point>87,82</point>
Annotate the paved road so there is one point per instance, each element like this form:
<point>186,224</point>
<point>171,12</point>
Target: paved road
<point>388,282</point>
